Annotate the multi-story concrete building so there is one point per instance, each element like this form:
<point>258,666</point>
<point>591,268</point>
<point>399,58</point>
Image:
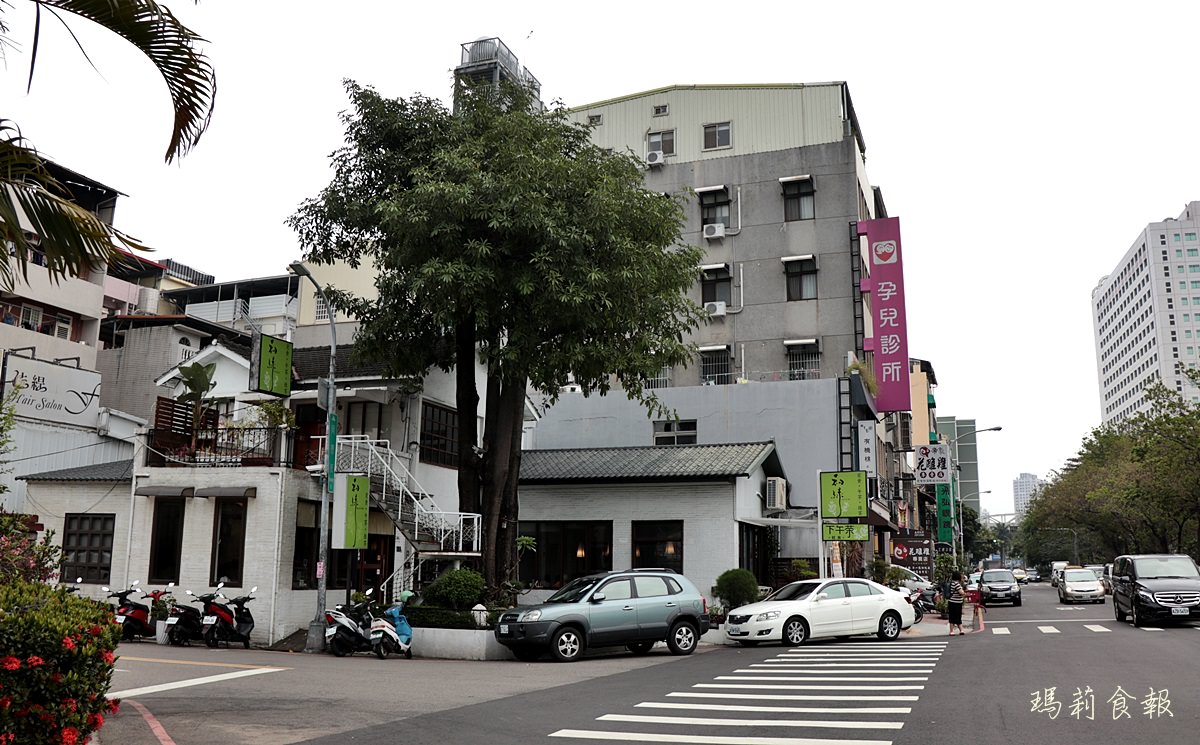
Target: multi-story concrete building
<point>1025,487</point>
<point>1146,316</point>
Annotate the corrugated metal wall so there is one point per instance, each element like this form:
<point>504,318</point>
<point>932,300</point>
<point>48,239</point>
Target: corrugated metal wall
<point>46,447</point>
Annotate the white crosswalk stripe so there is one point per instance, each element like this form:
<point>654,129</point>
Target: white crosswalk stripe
<point>1048,630</point>
<point>1000,630</point>
<point>821,690</point>
<point>1096,627</point>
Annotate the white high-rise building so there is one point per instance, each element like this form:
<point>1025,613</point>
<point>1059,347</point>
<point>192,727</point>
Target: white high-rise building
<point>1025,487</point>
<point>1146,316</point>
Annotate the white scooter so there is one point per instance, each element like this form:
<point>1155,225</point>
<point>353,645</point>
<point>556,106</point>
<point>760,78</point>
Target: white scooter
<point>385,640</point>
<point>349,629</point>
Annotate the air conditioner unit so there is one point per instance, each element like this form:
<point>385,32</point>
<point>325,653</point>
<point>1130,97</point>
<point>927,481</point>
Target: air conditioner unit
<point>715,309</point>
<point>714,231</point>
<point>776,493</point>
<point>655,158</point>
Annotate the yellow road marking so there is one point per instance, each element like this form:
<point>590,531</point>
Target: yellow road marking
<point>202,664</point>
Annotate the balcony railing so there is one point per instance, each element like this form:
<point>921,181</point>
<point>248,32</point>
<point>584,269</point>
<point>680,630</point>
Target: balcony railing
<point>229,446</point>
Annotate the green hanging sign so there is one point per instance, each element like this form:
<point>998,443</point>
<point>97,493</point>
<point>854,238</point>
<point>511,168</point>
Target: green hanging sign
<point>843,494</point>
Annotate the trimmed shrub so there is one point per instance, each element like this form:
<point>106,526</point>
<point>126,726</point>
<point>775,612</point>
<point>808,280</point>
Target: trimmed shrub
<point>428,617</point>
<point>737,587</point>
<point>56,664</point>
<point>460,589</point>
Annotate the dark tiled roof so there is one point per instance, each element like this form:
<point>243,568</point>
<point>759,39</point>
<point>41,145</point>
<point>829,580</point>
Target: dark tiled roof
<point>313,362</point>
<point>663,463</point>
<point>121,470</point>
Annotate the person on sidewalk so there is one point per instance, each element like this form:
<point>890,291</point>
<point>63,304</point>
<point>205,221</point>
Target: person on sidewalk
<point>954,603</point>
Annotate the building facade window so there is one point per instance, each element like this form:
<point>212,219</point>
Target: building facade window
<point>662,109</point>
<point>31,317</point>
<point>364,418</point>
<point>716,135</point>
<point>662,380</point>
<point>166,540</point>
<point>322,311</point>
<point>801,279</point>
<point>716,286</point>
<point>87,546</point>
<point>439,435</point>
<point>714,207</point>
<point>675,432</point>
<point>565,550</point>
<point>804,362</point>
<point>664,141</point>
<point>799,200</point>
<point>595,120</point>
<point>657,543</point>
<point>229,542</point>
<point>716,368</point>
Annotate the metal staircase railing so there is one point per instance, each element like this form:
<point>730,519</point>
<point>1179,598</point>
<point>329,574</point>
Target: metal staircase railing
<point>429,531</point>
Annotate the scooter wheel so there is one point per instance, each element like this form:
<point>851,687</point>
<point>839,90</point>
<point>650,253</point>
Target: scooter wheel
<point>337,646</point>
<point>174,637</point>
<point>211,638</point>
<point>381,650</point>
<point>408,653</point>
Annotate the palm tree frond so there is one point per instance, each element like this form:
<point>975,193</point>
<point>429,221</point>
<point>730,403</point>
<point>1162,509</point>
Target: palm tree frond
<point>171,47</point>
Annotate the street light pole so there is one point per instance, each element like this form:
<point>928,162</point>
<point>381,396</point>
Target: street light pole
<point>961,544</point>
<point>316,629</point>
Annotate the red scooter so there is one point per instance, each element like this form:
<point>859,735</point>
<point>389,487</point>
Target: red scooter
<point>222,623</point>
<point>135,617</point>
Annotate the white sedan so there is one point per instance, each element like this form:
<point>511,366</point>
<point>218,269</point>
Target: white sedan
<point>815,608</point>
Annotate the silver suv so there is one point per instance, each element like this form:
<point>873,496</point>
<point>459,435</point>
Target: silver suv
<point>633,608</point>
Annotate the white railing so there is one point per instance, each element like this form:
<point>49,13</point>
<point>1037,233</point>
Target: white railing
<point>453,532</point>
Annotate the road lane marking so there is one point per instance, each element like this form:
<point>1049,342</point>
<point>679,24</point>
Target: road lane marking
<point>1048,630</point>
<point>584,734</point>
<point>1096,628</point>
<point>809,678</point>
<point>152,722</point>
<point>201,664</point>
<point>1001,631</point>
<point>857,656</point>
<point>787,696</point>
<point>775,670</point>
<point>785,709</point>
<point>708,721</point>
<point>1151,628</point>
<point>1050,620</point>
<point>867,664</point>
<point>193,682</point>
<point>809,688</point>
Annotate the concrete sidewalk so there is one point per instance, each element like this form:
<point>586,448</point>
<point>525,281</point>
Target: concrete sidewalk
<point>932,625</point>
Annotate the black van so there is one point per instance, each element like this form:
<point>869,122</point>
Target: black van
<point>1155,587</point>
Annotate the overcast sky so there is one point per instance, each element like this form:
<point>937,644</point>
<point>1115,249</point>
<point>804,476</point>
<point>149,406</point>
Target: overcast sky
<point>1023,145</point>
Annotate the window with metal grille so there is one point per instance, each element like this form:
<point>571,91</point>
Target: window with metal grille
<point>664,141</point>
<point>87,546</point>
<point>716,135</point>
<point>439,435</point>
<point>714,207</point>
<point>662,380</point>
<point>804,362</point>
<point>716,368</point>
<point>675,432</point>
<point>595,120</point>
<point>801,279</point>
<point>799,200</point>
<point>31,317</point>
<point>716,285</point>
<point>322,310</point>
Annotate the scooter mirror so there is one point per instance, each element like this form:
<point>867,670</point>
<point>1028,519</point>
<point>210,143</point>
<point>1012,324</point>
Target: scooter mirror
<point>105,589</point>
<point>369,591</point>
<point>254,589</point>
<point>170,585</point>
<point>220,585</point>
<point>189,592</point>
<point>135,583</point>
<point>78,580</point>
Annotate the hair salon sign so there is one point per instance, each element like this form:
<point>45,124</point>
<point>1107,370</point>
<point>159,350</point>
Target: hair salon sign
<point>53,392</point>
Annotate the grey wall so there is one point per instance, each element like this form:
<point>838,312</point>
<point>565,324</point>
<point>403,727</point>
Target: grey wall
<point>130,371</point>
<point>800,416</point>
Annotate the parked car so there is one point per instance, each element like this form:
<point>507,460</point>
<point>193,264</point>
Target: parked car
<point>999,586</point>
<point>1020,575</point>
<point>1098,569</point>
<point>1155,587</point>
<point>913,581</point>
<point>815,608</point>
<point>633,608</point>
<point>1106,579</point>
<point>1079,585</point>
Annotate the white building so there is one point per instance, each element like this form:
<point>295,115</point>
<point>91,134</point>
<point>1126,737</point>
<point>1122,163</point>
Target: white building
<point>1146,316</point>
<point>1025,487</point>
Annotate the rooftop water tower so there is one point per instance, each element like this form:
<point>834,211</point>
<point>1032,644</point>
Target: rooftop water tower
<point>489,60</point>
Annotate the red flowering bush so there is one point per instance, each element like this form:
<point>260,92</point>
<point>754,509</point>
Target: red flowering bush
<point>56,664</point>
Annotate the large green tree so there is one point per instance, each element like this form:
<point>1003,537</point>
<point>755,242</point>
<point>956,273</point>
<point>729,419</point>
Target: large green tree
<point>502,235</point>
<point>36,210</point>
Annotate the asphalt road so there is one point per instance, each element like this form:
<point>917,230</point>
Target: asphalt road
<point>998,686</point>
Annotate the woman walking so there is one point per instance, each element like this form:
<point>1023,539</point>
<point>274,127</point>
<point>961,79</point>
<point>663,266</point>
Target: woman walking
<point>954,603</point>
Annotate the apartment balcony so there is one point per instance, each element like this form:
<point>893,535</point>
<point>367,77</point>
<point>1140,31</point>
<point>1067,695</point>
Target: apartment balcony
<point>48,345</point>
<point>228,446</point>
<point>79,296</point>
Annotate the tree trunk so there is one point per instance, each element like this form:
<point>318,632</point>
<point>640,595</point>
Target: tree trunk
<point>466,399</point>
<point>509,404</point>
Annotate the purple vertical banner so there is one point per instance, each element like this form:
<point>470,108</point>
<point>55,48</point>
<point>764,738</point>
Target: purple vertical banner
<point>886,285</point>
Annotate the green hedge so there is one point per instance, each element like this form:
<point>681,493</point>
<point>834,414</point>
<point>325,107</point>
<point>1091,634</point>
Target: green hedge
<point>446,618</point>
<point>457,588</point>
<point>56,664</point>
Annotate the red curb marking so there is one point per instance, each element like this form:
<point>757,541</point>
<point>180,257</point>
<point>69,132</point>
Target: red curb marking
<point>155,726</point>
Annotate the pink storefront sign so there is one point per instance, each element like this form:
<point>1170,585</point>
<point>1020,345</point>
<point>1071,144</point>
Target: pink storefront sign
<point>886,286</point>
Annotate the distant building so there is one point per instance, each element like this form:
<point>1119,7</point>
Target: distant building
<point>1146,316</point>
<point>1025,487</point>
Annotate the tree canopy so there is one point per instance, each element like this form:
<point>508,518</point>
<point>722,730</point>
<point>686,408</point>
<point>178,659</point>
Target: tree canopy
<point>501,235</point>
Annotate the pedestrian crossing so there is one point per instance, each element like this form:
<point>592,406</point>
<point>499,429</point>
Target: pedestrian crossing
<point>835,694</point>
<point>1016,629</point>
